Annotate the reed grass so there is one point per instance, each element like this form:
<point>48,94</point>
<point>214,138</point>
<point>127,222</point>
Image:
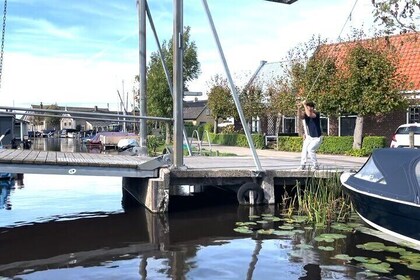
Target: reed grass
<point>321,200</point>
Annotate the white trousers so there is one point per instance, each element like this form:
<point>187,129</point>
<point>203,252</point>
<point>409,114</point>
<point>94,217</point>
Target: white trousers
<point>309,148</point>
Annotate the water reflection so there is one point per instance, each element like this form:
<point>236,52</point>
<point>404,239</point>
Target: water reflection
<point>6,186</point>
<point>65,145</point>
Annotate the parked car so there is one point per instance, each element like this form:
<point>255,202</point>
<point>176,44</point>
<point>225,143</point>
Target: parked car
<point>401,137</point>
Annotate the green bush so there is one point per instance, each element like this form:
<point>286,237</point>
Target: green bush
<point>336,144</point>
<point>235,139</point>
<point>373,142</point>
<point>290,143</point>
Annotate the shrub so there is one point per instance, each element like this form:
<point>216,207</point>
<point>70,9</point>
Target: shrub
<point>373,142</point>
<point>290,143</point>
<point>336,144</point>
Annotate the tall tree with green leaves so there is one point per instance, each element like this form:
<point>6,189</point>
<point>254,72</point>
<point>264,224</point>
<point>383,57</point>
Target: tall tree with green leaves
<point>311,75</point>
<point>220,100</point>
<point>159,99</point>
<point>252,102</point>
<point>371,83</point>
<point>53,122</point>
<point>397,14</point>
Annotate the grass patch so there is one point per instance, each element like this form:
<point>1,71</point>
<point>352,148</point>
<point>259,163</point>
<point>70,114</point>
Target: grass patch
<point>321,200</point>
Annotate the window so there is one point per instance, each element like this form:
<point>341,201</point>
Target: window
<point>414,114</point>
<point>347,125</point>
<point>255,125</point>
<point>289,124</point>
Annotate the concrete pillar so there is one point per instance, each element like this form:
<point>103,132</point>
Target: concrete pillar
<point>267,185</point>
<point>153,193</point>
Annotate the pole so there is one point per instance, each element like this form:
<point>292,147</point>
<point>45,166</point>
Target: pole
<point>178,83</point>
<point>233,90</point>
<point>142,77</point>
<point>165,69</point>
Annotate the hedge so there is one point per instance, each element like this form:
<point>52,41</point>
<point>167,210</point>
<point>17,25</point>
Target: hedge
<point>333,144</point>
<point>330,144</point>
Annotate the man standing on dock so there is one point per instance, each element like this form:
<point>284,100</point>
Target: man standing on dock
<point>312,134</point>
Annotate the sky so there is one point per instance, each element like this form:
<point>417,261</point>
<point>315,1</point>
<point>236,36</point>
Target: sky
<point>83,52</point>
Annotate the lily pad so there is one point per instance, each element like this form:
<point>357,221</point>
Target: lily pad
<point>372,246</point>
<point>354,225</point>
<point>393,260</point>
<point>267,215</point>
<point>329,237</point>
<point>243,230</point>
<point>254,217</point>
<point>414,266</point>
<point>367,274</point>
<point>374,261</point>
<point>265,231</point>
<point>326,248</point>
<point>361,259</point>
<point>304,246</point>
<point>342,227</point>
<point>342,257</point>
<point>382,267</point>
<point>300,219</point>
<point>394,249</point>
<point>402,277</point>
<point>245,224</point>
<point>283,232</point>
<point>325,239</point>
<point>286,227</point>
<point>262,222</point>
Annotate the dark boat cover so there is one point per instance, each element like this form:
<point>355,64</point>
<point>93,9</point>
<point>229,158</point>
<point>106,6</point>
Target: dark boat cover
<point>393,173</point>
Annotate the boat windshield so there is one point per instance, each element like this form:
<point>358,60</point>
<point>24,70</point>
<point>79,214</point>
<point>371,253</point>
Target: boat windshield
<point>371,173</point>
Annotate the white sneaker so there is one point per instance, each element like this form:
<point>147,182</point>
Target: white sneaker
<point>302,167</point>
<point>315,167</point>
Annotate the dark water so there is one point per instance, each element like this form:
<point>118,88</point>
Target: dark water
<point>74,227</point>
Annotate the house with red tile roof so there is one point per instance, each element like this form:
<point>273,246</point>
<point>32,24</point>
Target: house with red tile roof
<point>406,48</point>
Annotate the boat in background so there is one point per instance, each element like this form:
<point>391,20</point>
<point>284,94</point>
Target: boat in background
<point>385,192</point>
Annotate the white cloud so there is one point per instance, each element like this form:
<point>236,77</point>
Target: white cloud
<point>31,80</point>
<point>88,51</point>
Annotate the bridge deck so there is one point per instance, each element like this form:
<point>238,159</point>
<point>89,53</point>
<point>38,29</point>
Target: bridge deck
<point>43,162</point>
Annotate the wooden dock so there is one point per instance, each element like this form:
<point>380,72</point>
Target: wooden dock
<point>42,162</point>
<point>151,181</point>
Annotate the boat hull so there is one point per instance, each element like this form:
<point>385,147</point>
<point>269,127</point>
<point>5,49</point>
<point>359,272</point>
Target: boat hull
<point>400,219</point>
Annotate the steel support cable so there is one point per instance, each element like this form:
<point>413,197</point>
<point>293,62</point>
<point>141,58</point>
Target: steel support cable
<point>330,51</point>
<point>2,39</point>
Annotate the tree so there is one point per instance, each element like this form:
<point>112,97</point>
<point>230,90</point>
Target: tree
<point>53,122</point>
<point>320,83</point>
<point>252,101</point>
<point>371,84</point>
<point>220,101</point>
<point>159,99</point>
<point>281,99</point>
<point>311,75</point>
<point>397,14</point>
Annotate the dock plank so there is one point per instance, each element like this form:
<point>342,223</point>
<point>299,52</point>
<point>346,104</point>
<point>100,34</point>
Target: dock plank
<point>61,158</point>
<point>41,158</point>
<point>51,158</point>
<point>30,158</point>
<point>22,156</point>
<point>11,156</point>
